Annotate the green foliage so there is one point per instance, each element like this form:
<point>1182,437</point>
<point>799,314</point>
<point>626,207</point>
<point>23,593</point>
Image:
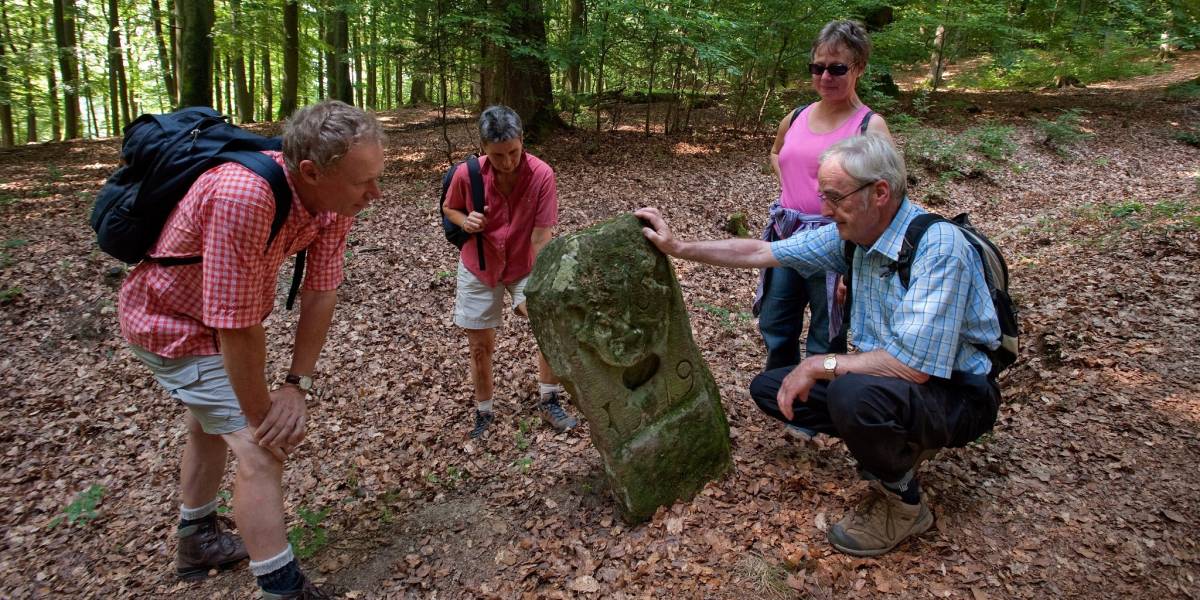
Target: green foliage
<point>1031,68</point>
<point>1184,90</point>
<point>972,153</point>
<point>309,536</point>
<point>11,293</point>
<point>82,509</point>
<point>729,320</point>
<point>523,464</point>
<point>226,502</point>
<point>1063,132</point>
<point>521,433</point>
<point>1188,137</point>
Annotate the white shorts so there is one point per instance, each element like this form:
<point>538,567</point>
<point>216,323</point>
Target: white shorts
<point>477,306</point>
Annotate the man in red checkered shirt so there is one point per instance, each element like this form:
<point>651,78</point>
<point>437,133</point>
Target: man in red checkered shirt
<point>199,328</point>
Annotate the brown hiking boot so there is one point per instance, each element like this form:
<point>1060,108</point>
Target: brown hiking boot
<point>309,591</point>
<point>208,545</point>
<point>880,522</point>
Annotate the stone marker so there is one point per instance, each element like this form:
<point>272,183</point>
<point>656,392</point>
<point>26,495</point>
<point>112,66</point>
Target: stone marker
<point>608,314</point>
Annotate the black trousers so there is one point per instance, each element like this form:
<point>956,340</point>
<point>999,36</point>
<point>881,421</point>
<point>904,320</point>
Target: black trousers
<point>886,422</point>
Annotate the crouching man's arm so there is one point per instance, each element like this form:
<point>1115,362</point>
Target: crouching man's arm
<point>244,352</point>
<point>288,419</point>
<point>876,362</point>
<point>734,252</point>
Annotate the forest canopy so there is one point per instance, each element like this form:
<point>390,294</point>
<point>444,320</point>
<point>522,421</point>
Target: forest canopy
<point>84,68</point>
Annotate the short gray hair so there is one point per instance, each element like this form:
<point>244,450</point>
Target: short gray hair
<point>850,34</point>
<point>324,132</point>
<point>499,123</point>
<point>870,157</point>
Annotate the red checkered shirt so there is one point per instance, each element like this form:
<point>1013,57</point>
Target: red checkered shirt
<point>225,218</point>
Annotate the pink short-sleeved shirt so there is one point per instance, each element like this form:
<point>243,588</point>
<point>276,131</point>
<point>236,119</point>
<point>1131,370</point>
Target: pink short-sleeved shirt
<point>507,248</point>
<point>225,218</point>
<point>799,159</point>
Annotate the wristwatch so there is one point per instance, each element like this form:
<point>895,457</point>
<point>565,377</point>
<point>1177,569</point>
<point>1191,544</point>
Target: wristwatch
<point>831,365</point>
<point>304,382</point>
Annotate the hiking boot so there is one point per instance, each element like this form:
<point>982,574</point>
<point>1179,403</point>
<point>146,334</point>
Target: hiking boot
<point>482,420</point>
<point>309,591</point>
<point>207,545</point>
<point>880,522</point>
<point>553,414</point>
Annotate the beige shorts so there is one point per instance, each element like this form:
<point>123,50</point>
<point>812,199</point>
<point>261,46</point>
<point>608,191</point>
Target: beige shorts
<point>477,306</point>
<point>202,385</point>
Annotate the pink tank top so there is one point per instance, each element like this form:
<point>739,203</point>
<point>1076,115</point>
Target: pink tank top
<point>798,159</point>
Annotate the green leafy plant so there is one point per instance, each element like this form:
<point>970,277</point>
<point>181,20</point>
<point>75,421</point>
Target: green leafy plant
<point>1064,131</point>
<point>11,294</point>
<point>226,502</point>
<point>522,440</point>
<point>522,464</point>
<point>309,536</point>
<point>1190,138</point>
<point>1184,90</point>
<point>82,509</point>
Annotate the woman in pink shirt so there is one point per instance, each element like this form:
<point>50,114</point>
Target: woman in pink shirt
<point>520,211</point>
<point>839,57</point>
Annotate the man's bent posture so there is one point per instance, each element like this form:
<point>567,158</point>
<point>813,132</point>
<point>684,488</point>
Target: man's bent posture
<point>199,328</point>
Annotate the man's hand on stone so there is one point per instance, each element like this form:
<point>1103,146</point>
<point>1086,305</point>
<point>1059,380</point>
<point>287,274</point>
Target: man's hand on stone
<point>797,385</point>
<point>475,222</point>
<point>285,424</point>
<point>658,233</point>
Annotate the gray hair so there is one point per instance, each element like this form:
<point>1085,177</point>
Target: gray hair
<point>499,123</point>
<point>850,34</point>
<point>870,157</point>
<point>324,132</point>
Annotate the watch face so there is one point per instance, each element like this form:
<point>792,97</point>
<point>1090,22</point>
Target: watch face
<point>830,363</point>
<point>306,383</point>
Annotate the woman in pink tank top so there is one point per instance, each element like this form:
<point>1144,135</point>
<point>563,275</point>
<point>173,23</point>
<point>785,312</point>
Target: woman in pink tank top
<point>838,58</point>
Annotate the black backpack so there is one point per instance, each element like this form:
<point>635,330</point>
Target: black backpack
<point>455,234</point>
<point>995,272</point>
<point>161,157</point>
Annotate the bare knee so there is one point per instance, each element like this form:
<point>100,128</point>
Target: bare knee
<point>253,461</point>
<point>481,343</point>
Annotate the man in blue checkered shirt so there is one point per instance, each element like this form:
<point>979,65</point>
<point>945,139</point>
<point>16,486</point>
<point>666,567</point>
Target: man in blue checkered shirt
<point>918,382</point>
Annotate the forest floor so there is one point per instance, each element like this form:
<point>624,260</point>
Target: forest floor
<point>1088,486</point>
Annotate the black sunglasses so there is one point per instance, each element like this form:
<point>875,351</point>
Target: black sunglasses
<point>836,69</point>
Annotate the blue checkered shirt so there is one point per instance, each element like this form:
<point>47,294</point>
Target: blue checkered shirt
<point>932,325</point>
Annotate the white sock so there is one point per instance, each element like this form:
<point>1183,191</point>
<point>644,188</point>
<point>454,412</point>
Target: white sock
<point>279,561</point>
<point>191,514</point>
<point>545,389</point>
<point>484,406</point>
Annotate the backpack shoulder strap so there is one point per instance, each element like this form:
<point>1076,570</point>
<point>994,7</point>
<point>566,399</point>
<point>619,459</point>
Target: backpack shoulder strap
<point>477,200</point>
<point>796,113</point>
<point>268,169</point>
<point>862,127</point>
<point>912,237</point>
<point>265,167</point>
<point>476,177</point>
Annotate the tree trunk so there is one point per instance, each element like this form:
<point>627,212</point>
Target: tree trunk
<point>164,61</point>
<point>600,68</point>
<point>341,56</point>
<point>218,101</point>
<point>118,85</point>
<point>653,58</point>
<point>268,86</point>
<point>87,95</point>
<point>52,86</point>
<point>291,58</point>
<point>420,70</point>
<point>68,61</point>
<point>26,83</point>
<point>935,61</point>
<point>575,53</point>
<point>772,79</point>
<point>359,89</point>
<point>236,61</point>
<point>195,52</point>
<point>7,135</point>
<point>373,60</point>
<point>520,78</point>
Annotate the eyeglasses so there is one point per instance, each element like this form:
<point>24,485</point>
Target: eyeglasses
<point>836,69</point>
<point>832,200</point>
